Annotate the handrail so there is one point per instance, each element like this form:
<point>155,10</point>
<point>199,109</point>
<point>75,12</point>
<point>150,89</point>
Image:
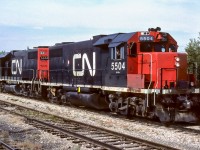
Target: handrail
<point>150,76</point>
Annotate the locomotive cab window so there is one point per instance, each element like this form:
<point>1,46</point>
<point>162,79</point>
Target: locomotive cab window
<point>146,47</point>
<point>159,48</point>
<point>172,48</point>
<point>117,52</point>
<point>133,49</point>
<point>151,47</point>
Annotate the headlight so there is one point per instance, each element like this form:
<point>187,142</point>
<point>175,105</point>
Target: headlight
<point>192,84</point>
<point>177,64</point>
<point>177,58</point>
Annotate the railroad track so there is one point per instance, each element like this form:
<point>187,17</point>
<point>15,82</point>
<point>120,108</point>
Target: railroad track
<point>177,127</point>
<point>93,137</point>
<point>7,145</point>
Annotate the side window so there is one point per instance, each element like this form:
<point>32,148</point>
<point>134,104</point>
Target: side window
<point>120,52</point>
<point>113,53</point>
<point>172,48</point>
<point>133,49</point>
<point>117,52</point>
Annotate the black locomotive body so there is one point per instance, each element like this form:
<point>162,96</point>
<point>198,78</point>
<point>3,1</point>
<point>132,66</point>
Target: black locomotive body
<point>139,73</point>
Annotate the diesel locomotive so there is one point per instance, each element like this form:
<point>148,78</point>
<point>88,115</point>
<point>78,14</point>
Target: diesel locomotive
<point>136,74</point>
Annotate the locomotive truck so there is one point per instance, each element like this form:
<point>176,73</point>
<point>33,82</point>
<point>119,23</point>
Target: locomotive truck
<point>136,74</point>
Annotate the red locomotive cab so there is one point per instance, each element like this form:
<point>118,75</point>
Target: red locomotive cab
<point>43,64</point>
<point>153,62</point>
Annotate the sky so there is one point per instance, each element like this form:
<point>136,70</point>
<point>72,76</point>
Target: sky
<point>31,23</point>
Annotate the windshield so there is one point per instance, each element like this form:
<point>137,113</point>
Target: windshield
<point>152,47</point>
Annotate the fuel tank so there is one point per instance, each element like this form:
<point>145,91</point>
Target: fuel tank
<point>90,100</point>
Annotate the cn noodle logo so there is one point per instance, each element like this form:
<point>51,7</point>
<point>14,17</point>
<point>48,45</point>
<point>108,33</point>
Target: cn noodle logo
<point>85,61</point>
<point>16,66</point>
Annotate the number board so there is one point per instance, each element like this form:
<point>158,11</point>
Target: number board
<point>146,38</point>
<point>118,67</point>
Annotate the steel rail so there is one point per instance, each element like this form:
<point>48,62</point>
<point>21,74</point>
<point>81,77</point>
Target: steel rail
<point>124,136</point>
<point>79,136</point>
<point>7,146</point>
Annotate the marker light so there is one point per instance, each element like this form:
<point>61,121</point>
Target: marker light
<point>177,64</point>
<point>177,58</point>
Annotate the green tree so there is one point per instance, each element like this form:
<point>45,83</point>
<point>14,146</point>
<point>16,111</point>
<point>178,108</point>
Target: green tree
<point>193,50</point>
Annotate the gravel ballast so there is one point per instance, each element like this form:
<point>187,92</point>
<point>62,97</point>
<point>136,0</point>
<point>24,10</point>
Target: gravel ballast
<point>161,134</point>
<point>28,137</point>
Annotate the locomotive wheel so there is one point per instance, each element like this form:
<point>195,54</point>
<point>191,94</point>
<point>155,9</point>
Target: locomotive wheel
<point>162,114</point>
<point>113,107</point>
<point>132,111</point>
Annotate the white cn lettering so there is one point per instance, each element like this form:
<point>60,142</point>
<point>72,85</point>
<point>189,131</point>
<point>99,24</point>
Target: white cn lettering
<point>16,66</point>
<point>85,61</point>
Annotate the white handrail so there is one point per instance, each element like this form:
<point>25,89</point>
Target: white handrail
<point>150,77</point>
